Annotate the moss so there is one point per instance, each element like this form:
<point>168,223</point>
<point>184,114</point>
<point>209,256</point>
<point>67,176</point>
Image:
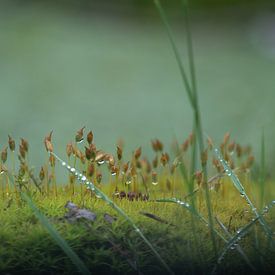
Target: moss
<point>115,248</point>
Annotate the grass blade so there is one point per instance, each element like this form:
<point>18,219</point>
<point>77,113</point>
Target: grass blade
<point>233,242</point>
<point>175,50</point>
<point>54,233</point>
<point>56,236</point>
<point>238,247</point>
<point>240,188</point>
<point>193,211</point>
<point>192,94</point>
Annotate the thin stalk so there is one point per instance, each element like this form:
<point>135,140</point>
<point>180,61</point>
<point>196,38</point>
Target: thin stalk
<point>262,172</point>
<point>13,168</point>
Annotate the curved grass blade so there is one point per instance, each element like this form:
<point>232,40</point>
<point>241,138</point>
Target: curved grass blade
<point>192,94</point>
<point>238,247</point>
<point>82,178</point>
<point>240,188</point>
<point>53,233</point>
<point>233,242</point>
<point>193,211</point>
<point>201,218</point>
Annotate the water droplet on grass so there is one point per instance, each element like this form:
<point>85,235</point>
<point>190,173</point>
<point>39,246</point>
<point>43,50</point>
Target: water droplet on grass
<point>72,170</point>
<point>100,162</point>
<point>154,182</point>
<point>63,163</point>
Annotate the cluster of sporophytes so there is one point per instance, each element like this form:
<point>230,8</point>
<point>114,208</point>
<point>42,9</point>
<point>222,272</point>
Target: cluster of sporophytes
<point>137,178</point>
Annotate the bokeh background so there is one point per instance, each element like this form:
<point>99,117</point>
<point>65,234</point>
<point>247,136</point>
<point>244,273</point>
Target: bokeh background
<point>108,65</point>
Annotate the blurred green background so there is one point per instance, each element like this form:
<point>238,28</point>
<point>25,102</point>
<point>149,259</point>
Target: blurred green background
<point>108,65</point>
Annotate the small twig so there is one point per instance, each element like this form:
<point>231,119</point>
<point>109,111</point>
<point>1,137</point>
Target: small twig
<point>156,218</point>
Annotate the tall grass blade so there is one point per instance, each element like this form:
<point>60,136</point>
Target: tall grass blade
<point>82,178</point>
<point>189,46</point>
<point>176,51</point>
<point>54,233</point>
<point>192,94</point>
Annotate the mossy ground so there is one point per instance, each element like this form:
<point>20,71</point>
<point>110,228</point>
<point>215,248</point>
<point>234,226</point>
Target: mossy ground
<point>115,248</point>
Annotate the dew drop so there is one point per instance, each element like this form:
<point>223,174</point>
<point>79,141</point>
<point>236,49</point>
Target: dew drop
<point>83,178</point>
<point>238,231</point>
<point>100,162</point>
<point>98,196</point>
<point>128,182</point>
<point>113,173</point>
<point>72,170</point>
<point>79,176</point>
<point>154,182</point>
<point>63,163</point>
<point>68,167</point>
